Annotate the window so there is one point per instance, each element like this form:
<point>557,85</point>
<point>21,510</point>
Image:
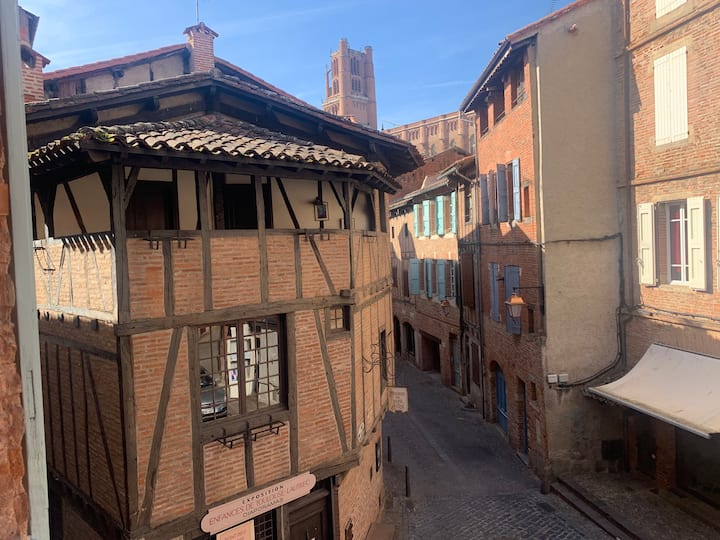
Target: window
<point>483,120</point>
<point>671,110</point>
<point>663,7</point>
<point>382,344</point>
<point>416,220</point>
<point>517,88</point>
<point>492,197</point>
<point>513,190</point>
<point>233,387</point>
<point>502,193</point>
<point>498,101</point>
<point>406,282</point>
<point>429,276</point>
<point>441,284</point>
<point>494,270</point>
<point>338,317</point>
<point>426,218</point>
<point>671,243</point>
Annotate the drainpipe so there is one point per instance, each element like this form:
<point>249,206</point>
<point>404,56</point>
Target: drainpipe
<point>23,269</point>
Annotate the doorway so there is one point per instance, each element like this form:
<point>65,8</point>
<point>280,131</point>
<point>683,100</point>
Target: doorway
<point>501,399</point>
<point>522,395</point>
<point>430,358</point>
<point>310,517</point>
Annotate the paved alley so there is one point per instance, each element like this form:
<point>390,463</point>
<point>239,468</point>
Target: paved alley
<point>465,482</point>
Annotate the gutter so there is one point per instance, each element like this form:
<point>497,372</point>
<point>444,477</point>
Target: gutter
<point>24,274</point>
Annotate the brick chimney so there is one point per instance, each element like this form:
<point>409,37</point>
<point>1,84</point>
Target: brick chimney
<point>202,51</point>
<point>32,61</point>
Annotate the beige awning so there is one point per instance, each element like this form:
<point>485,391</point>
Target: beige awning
<point>672,385</point>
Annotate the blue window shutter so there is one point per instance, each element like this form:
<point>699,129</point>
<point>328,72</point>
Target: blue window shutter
<point>516,189</point>
<point>416,217</point>
<point>440,270</point>
<point>426,218</point>
<point>453,212</point>
<point>502,194</point>
<point>494,293</point>
<point>428,277</point>
<point>484,199</point>
<point>512,281</point>
<point>440,211</point>
<point>414,276</point>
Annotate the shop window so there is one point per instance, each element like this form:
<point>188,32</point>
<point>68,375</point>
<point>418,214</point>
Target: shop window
<point>242,368</point>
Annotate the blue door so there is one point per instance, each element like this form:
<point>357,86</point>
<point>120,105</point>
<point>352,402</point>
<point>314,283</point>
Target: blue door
<point>501,398</point>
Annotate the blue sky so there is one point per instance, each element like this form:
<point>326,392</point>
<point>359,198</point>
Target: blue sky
<point>427,53</point>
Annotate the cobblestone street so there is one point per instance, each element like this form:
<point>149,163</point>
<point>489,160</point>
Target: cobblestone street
<point>465,482</point>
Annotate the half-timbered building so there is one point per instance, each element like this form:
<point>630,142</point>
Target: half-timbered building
<point>213,281</point>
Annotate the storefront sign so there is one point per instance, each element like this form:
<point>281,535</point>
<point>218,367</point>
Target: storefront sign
<point>253,504</point>
<point>398,398</point>
<point>246,531</point>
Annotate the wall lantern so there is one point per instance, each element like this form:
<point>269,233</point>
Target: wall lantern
<point>321,209</point>
<point>514,305</point>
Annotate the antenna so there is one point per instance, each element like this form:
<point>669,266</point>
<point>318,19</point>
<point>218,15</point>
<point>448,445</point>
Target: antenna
<point>197,11</point>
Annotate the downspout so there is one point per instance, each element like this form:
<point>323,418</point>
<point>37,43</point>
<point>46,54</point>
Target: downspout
<point>23,270</point>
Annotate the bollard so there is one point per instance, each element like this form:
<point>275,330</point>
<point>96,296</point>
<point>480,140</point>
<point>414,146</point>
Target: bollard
<point>407,481</point>
<point>389,450</point>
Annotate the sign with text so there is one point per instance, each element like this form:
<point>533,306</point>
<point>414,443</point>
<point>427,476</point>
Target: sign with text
<point>253,504</point>
<point>398,398</point>
<point>246,531</point>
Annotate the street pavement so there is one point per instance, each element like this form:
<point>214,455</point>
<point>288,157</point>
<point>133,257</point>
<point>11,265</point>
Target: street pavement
<point>465,482</point>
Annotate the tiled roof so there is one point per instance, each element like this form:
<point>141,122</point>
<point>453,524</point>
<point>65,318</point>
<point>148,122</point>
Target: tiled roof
<point>210,135</point>
<point>106,64</point>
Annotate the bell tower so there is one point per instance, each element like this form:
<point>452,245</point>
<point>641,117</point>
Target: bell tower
<point>350,85</point>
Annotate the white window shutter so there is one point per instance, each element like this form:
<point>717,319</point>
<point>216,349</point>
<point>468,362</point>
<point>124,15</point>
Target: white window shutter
<point>671,108</point>
<point>697,263</point>
<point>646,243</point>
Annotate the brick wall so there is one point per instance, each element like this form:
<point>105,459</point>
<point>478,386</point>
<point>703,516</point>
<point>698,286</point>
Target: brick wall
<point>202,55</point>
<point>13,498</point>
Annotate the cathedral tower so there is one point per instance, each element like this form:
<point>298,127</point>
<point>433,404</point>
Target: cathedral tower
<point>350,85</point>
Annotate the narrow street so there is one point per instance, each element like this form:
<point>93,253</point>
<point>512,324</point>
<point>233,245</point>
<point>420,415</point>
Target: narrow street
<point>465,482</point>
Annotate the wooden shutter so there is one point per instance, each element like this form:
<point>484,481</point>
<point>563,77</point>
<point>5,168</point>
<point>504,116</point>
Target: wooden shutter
<point>492,196</point>
<point>697,262</point>
<point>502,195</point>
<point>467,279</point>
<point>440,266</point>
<point>494,292</point>
<point>453,212</point>
<point>512,281</point>
<point>440,214</point>
<point>416,220</point>
<point>670,79</point>
<point>646,243</point>
<point>414,276</point>
<point>426,217</point>
<point>485,202</point>
<point>516,189</point>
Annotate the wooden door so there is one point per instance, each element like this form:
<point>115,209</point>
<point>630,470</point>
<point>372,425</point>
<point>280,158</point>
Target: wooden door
<point>501,399</point>
<point>311,521</point>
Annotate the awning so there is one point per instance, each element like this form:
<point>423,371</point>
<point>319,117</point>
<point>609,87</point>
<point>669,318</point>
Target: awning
<point>672,385</point>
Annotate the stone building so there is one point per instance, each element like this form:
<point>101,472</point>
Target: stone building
<point>671,194</point>
<point>213,281</point>
<point>544,235</point>
<point>439,133</point>
<point>350,85</point>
